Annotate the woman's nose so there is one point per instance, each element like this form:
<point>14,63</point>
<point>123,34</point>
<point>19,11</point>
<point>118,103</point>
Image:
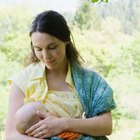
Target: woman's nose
<point>46,54</point>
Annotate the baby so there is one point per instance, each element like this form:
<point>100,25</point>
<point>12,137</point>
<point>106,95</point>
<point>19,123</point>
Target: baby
<point>26,117</point>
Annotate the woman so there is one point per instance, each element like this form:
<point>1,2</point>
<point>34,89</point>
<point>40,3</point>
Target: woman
<point>56,78</point>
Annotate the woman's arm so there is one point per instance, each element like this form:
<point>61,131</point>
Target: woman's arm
<point>51,126</point>
<point>16,98</point>
<point>96,126</point>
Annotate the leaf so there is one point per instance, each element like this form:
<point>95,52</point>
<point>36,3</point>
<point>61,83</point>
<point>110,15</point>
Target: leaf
<point>94,1</point>
<point>99,1</point>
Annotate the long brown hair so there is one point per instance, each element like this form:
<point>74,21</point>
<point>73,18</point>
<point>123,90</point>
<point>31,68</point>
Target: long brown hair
<point>53,23</point>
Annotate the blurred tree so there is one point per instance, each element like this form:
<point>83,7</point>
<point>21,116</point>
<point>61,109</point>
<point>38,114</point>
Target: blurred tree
<point>14,32</point>
<point>132,56</point>
<point>14,40</point>
<point>86,17</point>
<point>127,11</point>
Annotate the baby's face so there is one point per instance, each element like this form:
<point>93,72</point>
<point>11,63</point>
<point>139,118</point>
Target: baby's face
<point>26,116</point>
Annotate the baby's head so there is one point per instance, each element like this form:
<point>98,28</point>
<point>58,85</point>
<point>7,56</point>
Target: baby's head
<point>26,116</point>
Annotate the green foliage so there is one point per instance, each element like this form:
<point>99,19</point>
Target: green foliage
<point>127,13</point>
<point>91,54</point>
<point>3,106</point>
<point>133,50</point>
<point>86,17</point>
<point>99,1</point>
<point>130,58</point>
<point>11,38</point>
<point>137,136</point>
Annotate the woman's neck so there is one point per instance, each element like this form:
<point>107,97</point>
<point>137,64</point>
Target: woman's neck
<point>56,78</point>
<point>60,70</point>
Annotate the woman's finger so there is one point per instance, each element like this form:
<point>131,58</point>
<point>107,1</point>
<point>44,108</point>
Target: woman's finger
<point>42,134</point>
<point>39,134</point>
<point>31,129</point>
<point>41,115</point>
<point>40,129</point>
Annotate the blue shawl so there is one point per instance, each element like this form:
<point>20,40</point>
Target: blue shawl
<point>95,94</point>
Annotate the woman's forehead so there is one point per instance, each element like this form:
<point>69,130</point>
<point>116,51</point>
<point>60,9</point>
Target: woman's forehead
<point>39,38</point>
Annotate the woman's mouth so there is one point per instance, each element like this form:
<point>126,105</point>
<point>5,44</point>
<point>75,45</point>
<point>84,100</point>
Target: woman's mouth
<point>49,62</point>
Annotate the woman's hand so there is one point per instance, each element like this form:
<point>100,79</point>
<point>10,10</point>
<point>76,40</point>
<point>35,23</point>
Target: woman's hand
<point>49,126</point>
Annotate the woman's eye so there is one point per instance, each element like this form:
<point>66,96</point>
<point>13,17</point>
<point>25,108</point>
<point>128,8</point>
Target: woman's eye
<point>38,49</point>
<point>52,47</point>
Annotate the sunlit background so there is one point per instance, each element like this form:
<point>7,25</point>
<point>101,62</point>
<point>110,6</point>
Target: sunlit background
<point>107,36</point>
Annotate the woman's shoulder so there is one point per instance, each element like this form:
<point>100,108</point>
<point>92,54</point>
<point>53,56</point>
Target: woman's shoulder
<point>89,74</point>
<point>94,78</point>
<point>25,72</point>
<point>31,68</point>
<point>92,73</point>
<point>22,77</point>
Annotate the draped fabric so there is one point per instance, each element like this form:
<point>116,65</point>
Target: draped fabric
<point>95,94</point>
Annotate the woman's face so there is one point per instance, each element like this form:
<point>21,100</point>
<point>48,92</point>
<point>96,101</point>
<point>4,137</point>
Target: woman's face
<point>50,50</point>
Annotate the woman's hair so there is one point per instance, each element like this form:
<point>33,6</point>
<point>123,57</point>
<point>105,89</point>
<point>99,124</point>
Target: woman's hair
<point>53,23</point>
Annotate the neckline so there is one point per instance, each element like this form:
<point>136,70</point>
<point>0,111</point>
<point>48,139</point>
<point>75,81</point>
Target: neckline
<point>59,91</point>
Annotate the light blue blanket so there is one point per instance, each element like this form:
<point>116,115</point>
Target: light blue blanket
<point>95,94</point>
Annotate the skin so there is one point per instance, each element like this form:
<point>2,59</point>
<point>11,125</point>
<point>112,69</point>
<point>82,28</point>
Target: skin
<point>17,96</point>
<point>52,52</point>
<point>96,126</point>
<point>26,116</point>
